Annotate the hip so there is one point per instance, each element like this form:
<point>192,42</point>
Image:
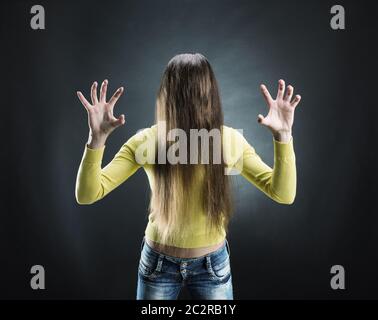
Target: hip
<point>184,252</point>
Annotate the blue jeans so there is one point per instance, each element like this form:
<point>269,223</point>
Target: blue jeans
<point>161,277</point>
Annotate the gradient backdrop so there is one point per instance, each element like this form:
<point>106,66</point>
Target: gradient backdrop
<point>277,251</point>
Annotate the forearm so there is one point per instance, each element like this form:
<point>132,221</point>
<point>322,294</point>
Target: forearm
<point>88,187</point>
<point>284,175</point>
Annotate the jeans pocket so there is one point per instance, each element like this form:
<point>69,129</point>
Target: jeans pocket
<point>150,263</point>
<point>219,265</point>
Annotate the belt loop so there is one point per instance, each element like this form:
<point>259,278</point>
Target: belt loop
<point>208,263</point>
<point>228,248</point>
<point>160,262</point>
<point>142,244</point>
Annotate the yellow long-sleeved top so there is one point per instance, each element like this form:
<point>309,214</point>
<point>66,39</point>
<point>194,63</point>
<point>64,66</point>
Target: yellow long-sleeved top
<point>94,182</point>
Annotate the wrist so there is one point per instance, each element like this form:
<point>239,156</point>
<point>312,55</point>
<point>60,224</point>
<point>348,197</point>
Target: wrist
<point>96,141</point>
<point>282,136</point>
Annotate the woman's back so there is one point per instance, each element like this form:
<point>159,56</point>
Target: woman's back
<point>195,234</point>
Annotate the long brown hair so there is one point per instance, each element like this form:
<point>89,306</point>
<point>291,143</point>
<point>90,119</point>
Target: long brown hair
<point>188,98</point>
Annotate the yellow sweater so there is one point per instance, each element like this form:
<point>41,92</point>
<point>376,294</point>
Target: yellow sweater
<point>94,182</point>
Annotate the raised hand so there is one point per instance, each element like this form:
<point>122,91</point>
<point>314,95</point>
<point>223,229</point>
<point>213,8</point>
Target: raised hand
<point>280,117</point>
<point>101,120</point>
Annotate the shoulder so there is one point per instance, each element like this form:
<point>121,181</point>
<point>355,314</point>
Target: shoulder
<point>145,133</point>
<point>141,136</point>
<point>236,135</point>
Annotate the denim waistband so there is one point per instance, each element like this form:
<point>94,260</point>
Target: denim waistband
<point>225,245</point>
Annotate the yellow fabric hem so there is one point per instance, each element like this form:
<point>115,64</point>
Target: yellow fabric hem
<point>198,241</point>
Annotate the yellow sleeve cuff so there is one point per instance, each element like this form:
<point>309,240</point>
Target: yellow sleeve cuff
<point>93,155</point>
<point>283,150</point>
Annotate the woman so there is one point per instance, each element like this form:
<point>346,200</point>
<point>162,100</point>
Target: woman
<point>190,209</point>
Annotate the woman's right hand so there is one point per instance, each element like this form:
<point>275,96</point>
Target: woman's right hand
<point>101,120</point>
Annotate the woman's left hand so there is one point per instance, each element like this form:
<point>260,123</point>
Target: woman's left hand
<point>280,117</point>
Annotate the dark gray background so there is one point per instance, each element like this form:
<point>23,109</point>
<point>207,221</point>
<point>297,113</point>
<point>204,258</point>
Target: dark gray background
<point>277,251</point>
